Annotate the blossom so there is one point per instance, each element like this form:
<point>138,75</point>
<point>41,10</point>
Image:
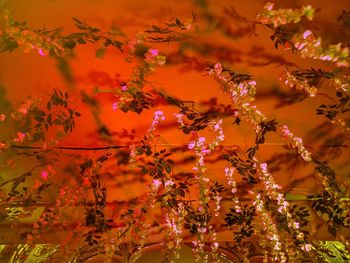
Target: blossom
<point>217,198</point>
<point>307,247</point>
<point>231,182</point>
<point>283,205</point>
<point>283,16</point>
<point>20,137</point>
<point>270,228</point>
<point>115,106</point>
<point>158,117</point>
<point>42,52</point>
<point>25,107</point>
<point>152,57</point>
<point>44,175</point>
<point>153,52</point>
<point>311,47</point>
<point>306,34</point>
<point>296,143</point>
<point>242,93</point>
<point>302,85</point>
<point>156,184</point>
<point>2,117</point>
<point>124,87</point>
<point>169,184</point>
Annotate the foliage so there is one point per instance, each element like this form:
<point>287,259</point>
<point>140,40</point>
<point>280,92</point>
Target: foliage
<point>173,203</point>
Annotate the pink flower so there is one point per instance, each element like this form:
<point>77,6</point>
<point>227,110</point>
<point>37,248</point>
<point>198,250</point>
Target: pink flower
<point>153,52</point>
<point>169,183</point>
<point>158,117</point>
<point>191,145</point>
<point>20,137</point>
<point>307,33</point>
<point>155,185</point>
<point>263,166</point>
<point>44,175</point>
<point>269,6</point>
<point>2,117</point>
<point>115,106</point>
<point>41,52</point>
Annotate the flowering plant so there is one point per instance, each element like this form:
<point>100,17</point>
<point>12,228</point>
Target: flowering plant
<point>131,187</point>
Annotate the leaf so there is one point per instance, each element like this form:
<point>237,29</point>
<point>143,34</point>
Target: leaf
<point>70,44</point>
<point>56,122</point>
<point>79,24</point>
<point>171,162</point>
<point>100,52</point>
<point>178,22</point>
<point>156,28</point>
<point>7,43</point>
<point>38,136</point>
<point>39,119</point>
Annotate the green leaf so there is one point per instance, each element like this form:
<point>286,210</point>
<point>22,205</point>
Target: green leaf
<point>70,44</point>
<point>7,43</point>
<point>100,52</point>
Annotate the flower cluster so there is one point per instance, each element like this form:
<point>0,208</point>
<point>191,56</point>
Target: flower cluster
<point>158,117</point>
<point>296,143</point>
<point>20,137</point>
<point>342,84</point>
<point>179,119</point>
<point>270,229</point>
<point>217,198</point>
<point>242,91</point>
<point>155,186</point>
<point>290,80</point>
<point>130,96</point>
<point>25,108</point>
<point>153,58</point>
<point>311,47</point>
<point>26,38</point>
<point>216,126</point>
<point>283,205</point>
<point>214,246</point>
<point>130,47</point>
<point>30,40</point>
<point>232,183</point>
<point>198,249</point>
<point>174,222</point>
<point>201,149</point>
<point>279,17</point>
<point>69,194</point>
<point>341,124</point>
